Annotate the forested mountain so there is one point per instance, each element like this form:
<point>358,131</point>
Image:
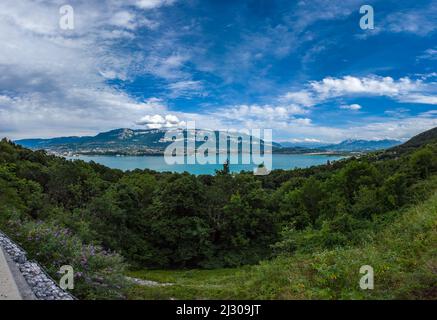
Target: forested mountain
<point>101,220</point>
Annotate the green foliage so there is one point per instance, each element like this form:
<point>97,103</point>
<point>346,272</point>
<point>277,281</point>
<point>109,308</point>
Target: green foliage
<point>402,254</point>
<point>171,220</point>
<point>423,162</point>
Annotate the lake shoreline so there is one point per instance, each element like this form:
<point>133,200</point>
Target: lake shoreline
<point>161,154</point>
<point>159,164</point>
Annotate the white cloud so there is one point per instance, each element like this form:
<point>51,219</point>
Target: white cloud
<point>420,98</point>
<point>332,87</point>
<point>158,121</point>
<point>185,88</point>
<point>169,67</point>
<point>78,112</point>
<point>260,113</point>
<point>131,21</point>
<point>420,22</point>
<point>393,128</point>
<point>353,106</point>
<point>367,129</point>
<point>307,140</point>
<point>302,121</point>
<point>302,97</point>
<point>152,4</point>
<point>124,19</point>
<point>402,90</point>
<point>428,54</point>
<point>286,116</point>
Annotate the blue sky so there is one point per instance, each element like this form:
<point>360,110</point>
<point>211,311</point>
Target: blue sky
<point>302,68</point>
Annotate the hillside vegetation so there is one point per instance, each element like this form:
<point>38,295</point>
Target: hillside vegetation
<point>103,221</point>
<point>427,137</point>
<point>403,255</point>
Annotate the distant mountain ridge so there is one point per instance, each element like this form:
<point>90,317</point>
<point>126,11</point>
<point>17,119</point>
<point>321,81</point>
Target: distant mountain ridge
<point>152,141</point>
<point>115,139</point>
<point>119,141</point>
<point>349,145</point>
<point>362,145</point>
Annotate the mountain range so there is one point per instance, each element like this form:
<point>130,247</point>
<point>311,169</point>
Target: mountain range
<point>362,145</point>
<point>153,141</point>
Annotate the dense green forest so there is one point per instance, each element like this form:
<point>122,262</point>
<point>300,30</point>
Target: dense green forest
<point>103,221</point>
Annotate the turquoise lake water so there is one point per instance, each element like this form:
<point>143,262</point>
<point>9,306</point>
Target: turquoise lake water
<point>157,163</point>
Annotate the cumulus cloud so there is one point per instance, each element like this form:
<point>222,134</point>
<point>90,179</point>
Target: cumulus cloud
<point>158,121</point>
<point>403,90</point>
<point>287,119</point>
<point>349,85</point>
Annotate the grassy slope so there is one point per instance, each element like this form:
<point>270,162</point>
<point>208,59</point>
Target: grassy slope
<point>403,255</point>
